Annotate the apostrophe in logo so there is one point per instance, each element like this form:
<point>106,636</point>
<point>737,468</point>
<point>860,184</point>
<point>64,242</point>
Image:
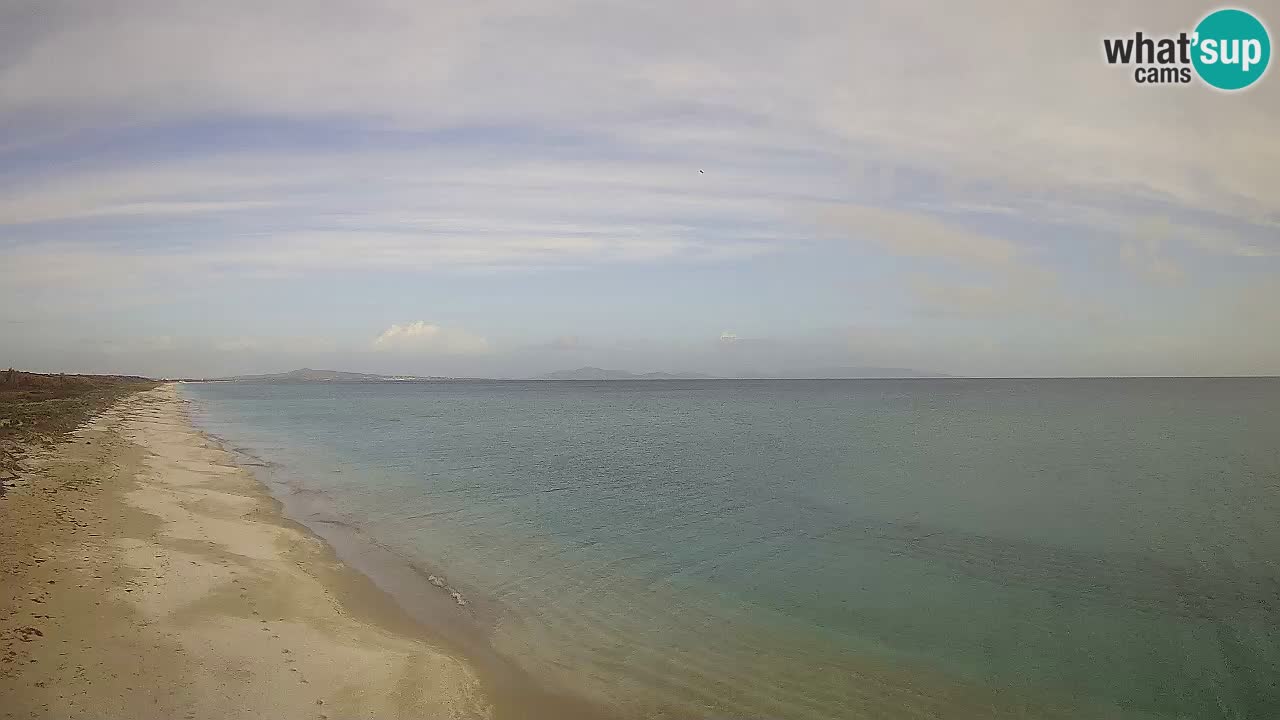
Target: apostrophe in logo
<point>1232,49</point>
<point>1229,49</point>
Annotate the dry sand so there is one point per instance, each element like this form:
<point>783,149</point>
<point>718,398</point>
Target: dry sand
<point>146,576</point>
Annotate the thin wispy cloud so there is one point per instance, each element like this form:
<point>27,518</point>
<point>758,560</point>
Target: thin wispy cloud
<point>918,235</point>
<point>600,172</point>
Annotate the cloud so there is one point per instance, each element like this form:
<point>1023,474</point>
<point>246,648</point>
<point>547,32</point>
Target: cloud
<point>371,211</point>
<point>238,344</point>
<point>917,234</point>
<point>1149,259</point>
<point>169,157</point>
<point>203,186</point>
<point>426,338</point>
<point>567,342</point>
<point>777,76</point>
<point>1230,241</point>
<point>141,345</point>
<point>1011,299</point>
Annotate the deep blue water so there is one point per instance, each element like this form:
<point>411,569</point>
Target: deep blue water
<point>822,549</point>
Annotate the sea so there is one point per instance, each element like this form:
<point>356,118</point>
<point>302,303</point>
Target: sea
<point>811,550</point>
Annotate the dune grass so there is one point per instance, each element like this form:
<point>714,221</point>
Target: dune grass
<point>37,409</point>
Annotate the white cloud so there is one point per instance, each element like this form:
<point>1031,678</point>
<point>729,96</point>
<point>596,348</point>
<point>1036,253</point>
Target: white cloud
<point>375,211</point>
<point>202,186</point>
<point>428,338</point>
<point>1007,92</point>
<point>398,136</point>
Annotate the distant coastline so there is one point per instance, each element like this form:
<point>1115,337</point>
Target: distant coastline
<point>578,374</point>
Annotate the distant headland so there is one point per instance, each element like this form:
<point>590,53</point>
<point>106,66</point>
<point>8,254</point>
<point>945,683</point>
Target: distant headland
<point>309,375</point>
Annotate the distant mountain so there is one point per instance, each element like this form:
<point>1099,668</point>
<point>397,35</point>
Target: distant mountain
<point>830,373</point>
<point>309,375</point>
<point>855,373</point>
<point>585,373</point>
<point>675,376</point>
<point>595,373</point>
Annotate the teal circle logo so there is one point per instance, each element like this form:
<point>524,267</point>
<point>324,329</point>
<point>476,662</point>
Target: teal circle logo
<point>1232,49</point>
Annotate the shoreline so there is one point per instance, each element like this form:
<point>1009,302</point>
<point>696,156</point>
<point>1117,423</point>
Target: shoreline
<point>462,630</point>
<point>149,575</point>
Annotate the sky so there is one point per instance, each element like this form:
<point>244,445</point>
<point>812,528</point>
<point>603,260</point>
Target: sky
<point>505,188</point>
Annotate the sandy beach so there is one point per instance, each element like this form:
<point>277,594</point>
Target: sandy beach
<point>146,575</point>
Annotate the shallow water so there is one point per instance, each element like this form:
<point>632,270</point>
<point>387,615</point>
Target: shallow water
<point>821,549</point>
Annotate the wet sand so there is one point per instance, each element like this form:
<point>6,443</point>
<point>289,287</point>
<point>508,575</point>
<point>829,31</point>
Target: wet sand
<point>146,575</point>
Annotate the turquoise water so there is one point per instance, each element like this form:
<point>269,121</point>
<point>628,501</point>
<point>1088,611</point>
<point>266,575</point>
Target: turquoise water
<point>821,549</point>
